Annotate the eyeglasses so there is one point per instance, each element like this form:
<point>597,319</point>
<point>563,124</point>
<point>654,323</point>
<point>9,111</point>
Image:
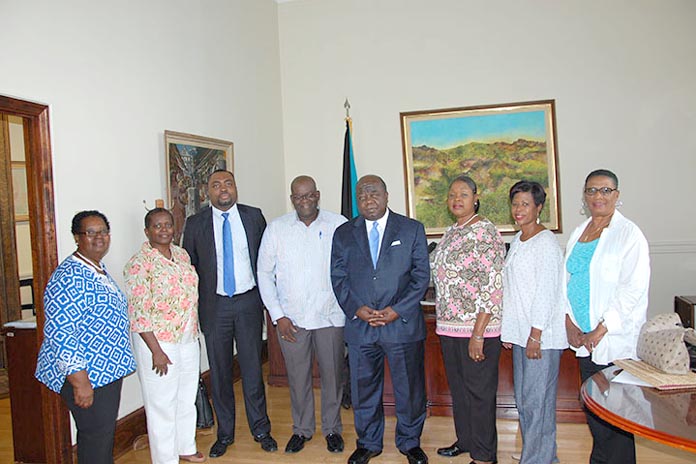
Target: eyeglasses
<point>306,196</point>
<point>95,233</point>
<point>604,191</point>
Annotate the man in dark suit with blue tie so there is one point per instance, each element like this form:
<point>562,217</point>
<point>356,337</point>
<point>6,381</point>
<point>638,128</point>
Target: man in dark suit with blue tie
<point>223,242</point>
<point>380,272</point>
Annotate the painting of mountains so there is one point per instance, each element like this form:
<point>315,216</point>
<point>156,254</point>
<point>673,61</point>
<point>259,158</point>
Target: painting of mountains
<point>496,146</point>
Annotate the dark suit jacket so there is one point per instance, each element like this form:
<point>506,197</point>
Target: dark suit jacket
<point>400,280</point>
<point>199,241</point>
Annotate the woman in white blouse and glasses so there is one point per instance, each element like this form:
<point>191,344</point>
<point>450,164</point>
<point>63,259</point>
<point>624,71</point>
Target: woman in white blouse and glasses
<point>607,277</point>
<point>533,322</point>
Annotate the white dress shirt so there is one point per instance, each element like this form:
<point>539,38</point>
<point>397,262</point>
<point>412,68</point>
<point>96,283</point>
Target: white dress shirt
<point>294,271</point>
<point>381,225</point>
<point>619,282</point>
<point>243,274</point>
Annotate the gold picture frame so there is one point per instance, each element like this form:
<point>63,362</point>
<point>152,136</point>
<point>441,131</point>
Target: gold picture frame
<point>496,145</point>
<point>190,159</point>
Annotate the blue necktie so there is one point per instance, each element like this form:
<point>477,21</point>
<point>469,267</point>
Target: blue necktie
<point>374,243</point>
<point>228,256</point>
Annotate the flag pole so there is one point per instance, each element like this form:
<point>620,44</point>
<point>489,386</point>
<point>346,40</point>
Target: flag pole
<point>346,105</point>
<point>349,204</point>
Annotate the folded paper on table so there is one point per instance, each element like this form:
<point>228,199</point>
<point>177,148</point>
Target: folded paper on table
<point>627,378</point>
<point>655,377</point>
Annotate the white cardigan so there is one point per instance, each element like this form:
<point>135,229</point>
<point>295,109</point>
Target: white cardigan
<point>619,282</point>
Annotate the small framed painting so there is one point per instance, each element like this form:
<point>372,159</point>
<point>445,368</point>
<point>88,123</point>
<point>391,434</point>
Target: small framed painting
<point>190,160</point>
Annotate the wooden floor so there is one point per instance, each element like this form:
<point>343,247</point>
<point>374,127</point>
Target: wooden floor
<point>573,441</point>
<point>6,453</point>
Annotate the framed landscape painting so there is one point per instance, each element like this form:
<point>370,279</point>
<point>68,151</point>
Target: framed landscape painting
<point>495,145</point>
<point>190,160</point>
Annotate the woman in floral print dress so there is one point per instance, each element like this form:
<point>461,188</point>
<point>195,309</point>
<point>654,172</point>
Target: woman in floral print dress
<point>162,289</point>
<point>467,271</point>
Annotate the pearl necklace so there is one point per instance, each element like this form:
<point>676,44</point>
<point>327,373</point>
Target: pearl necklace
<point>89,262</point>
<point>469,220</point>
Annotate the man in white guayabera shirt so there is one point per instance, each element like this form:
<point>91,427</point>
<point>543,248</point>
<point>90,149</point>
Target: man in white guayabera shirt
<point>295,284</point>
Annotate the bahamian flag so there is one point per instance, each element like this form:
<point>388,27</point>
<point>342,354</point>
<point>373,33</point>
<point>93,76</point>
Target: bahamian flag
<point>349,202</point>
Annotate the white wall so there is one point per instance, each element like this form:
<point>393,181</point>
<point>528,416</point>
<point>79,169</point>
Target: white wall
<point>117,74</point>
<point>621,72</point>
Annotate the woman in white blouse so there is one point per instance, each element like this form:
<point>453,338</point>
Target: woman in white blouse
<point>607,275</point>
<point>534,322</point>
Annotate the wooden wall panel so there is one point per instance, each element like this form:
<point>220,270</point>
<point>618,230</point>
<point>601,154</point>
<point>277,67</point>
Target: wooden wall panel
<point>568,408</point>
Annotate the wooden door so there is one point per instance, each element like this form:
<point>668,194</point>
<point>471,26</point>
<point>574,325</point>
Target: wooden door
<point>56,440</point>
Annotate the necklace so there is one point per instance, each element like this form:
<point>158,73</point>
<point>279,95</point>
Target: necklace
<point>537,228</point>
<point>89,262</point>
<point>469,220</point>
<point>592,231</point>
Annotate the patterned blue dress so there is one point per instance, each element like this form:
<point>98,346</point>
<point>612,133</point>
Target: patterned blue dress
<point>86,327</point>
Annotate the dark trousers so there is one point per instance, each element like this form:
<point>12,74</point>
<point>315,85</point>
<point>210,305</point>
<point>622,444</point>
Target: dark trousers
<point>406,365</point>
<point>96,425</point>
<point>609,444</point>
<point>473,386</point>
<point>238,319</point>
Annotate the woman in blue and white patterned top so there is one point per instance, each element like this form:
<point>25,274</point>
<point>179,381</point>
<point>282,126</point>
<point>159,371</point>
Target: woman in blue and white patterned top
<point>86,350</point>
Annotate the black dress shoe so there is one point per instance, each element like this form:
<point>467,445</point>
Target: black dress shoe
<point>362,456</point>
<point>415,455</point>
<point>451,451</point>
<point>220,447</point>
<point>334,443</point>
<point>267,442</point>
<point>493,462</point>
<point>296,443</point>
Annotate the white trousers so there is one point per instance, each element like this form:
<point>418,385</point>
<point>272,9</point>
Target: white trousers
<point>169,400</point>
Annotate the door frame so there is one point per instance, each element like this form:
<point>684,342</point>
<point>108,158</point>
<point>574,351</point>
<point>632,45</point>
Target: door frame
<point>39,165</point>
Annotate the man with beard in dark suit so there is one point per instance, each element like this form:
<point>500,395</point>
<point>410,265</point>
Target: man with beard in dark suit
<point>223,242</point>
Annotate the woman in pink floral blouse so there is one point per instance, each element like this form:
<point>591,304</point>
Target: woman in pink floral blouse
<point>467,271</point>
<point>162,289</point>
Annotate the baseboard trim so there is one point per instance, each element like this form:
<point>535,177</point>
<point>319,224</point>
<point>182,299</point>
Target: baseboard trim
<point>130,428</point>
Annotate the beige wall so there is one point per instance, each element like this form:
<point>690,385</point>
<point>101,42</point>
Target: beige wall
<point>621,72</point>
<point>116,75</point>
